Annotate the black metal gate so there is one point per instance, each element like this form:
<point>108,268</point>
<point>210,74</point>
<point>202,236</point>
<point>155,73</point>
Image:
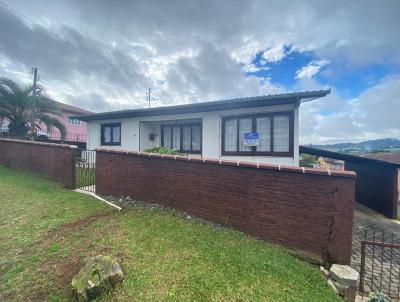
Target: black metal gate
<point>85,169</point>
<point>380,264</point>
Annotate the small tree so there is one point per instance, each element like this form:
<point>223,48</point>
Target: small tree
<point>308,160</point>
<point>16,107</point>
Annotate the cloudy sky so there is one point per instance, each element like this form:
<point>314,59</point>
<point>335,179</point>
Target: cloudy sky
<point>103,55</point>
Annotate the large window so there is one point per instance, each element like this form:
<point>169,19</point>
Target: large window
<point>258,134</point>
<point>111,134</point>
<point>185,138</point>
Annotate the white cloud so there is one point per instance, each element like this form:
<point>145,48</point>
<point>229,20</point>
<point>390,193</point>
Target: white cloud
<point>190,51</point>
<point>311,69</point>
<point>374,114</point>
<point>274,54</point>
<point>249,68</point>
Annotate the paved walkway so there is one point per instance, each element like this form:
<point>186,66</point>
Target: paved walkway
<point>380,272</point>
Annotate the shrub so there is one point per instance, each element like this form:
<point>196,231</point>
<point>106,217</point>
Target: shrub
<point>163,150</point>
<point>307,160</point>
<point>378,297</point>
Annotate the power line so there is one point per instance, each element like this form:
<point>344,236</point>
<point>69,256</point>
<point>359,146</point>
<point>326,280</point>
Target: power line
<point>10,49</point>
<point>13,53</point>
<point>43,29</point>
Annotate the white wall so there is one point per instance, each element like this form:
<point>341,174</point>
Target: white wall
<point>211,139</point>
<point>145,130</point>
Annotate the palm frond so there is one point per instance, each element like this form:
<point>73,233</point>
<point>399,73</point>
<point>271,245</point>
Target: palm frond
<point>47,105</point>
<point>52,122</point>
<point>13,86</point>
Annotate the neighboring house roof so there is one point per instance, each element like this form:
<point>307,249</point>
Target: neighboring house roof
<point>72,109</point>
<point>386,156</point>
<point>259,101</point>
<point>346,157</point>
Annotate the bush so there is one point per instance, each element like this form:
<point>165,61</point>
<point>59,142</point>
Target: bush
<point>163,150</point>
<point>307,160</point>
<point>378,297</point>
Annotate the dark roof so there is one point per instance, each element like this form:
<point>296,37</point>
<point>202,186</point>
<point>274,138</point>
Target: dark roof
<point>346,157</point>
<point>259,101</point>
<point>72,109</point>
<point>392,157</point>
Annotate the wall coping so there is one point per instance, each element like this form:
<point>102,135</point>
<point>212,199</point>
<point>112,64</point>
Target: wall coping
<point>19,141</point>
<point>239,163</point>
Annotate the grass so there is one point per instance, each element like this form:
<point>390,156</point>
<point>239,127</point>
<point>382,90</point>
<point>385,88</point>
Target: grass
<point>47,232</point>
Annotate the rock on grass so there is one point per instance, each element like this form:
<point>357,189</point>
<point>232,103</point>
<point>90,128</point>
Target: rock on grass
<point>100,274</point>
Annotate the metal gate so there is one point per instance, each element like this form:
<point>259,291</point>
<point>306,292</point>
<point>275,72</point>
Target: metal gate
<point>85,170</point>
<point>380,265</point>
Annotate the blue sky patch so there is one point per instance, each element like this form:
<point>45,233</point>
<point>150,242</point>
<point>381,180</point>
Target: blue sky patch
<point>282,72</point>
<point>349,83</point>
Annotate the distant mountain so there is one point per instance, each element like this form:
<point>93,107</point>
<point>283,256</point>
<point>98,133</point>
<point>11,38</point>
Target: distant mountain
<point>385,144</point>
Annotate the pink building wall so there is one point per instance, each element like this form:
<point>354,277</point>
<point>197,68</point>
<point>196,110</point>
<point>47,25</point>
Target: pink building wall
<point>75,132</point>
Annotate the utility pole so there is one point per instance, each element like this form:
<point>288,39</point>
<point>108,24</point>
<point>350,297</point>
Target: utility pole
<point>149,96</point>
<point>33,106</point>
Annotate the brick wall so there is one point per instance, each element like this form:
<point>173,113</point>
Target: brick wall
<point>53,161</point>
<point>308,210</point>
<point>376,186</point>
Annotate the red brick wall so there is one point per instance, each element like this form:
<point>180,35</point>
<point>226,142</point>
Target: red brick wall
<point>306,210</point>
<point>52,161</point>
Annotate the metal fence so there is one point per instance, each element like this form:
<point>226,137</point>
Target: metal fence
<point>380,264</point>
<point>56,135</point>
<point>85,169</point>
<point>44,136</point>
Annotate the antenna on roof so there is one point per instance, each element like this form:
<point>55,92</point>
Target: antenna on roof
<point>148,94</point>
<point>149,97</point>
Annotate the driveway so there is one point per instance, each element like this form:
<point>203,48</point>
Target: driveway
<point>382,265</point>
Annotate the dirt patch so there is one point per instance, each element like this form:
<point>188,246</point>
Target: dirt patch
<point>67,269</point>
<point>78,224</point>
<point>60,268</point>
<point>37,296</point>
<point>62,230</point>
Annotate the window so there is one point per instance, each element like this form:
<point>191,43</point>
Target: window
<point>274,130</point>
<point>74,121</point>
<point>111,134</point>
<point>185,138</point>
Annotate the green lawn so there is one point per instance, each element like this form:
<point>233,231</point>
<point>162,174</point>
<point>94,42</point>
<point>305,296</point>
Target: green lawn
<point>47,232</point>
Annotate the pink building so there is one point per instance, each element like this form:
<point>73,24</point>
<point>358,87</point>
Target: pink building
<point>76,130</point>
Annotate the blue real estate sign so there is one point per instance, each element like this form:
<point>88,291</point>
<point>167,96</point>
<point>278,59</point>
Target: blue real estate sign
<point>251,139</point>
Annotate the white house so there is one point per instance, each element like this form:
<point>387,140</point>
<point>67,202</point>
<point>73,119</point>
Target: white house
<point>261,129</point>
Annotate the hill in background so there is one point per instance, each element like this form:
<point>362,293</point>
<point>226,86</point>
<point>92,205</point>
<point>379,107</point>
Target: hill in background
<point>370,146</point>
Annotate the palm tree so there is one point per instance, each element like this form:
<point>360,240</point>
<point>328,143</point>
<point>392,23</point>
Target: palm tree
<point>16,106</point>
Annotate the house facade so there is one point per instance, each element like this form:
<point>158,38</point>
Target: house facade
<point>76,130</point>
<point>261,129</point>
<point>330,163</point>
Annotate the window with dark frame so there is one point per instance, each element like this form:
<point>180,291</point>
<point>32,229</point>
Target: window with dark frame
<point>184,138</point>
<point>275,131</point>
<point>111,134</point>
<point>74,121</point>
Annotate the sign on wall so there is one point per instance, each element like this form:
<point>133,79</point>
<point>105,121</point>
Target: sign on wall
<point>251,139</point>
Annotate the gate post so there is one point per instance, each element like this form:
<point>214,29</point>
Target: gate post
<point>362,269</point>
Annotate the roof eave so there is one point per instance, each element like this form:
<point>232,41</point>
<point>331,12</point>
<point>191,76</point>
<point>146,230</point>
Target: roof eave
<point>294,98</point>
